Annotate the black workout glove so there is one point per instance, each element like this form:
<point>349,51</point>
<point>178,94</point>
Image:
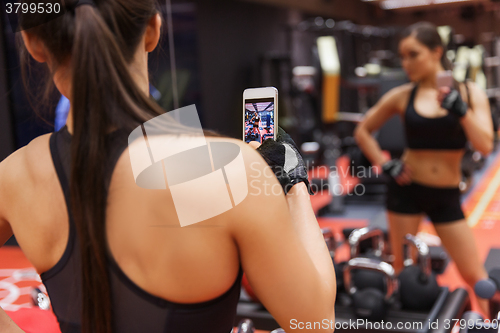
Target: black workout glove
<point>285,160</point>
<point>453,102</point>
<point>393,168</point>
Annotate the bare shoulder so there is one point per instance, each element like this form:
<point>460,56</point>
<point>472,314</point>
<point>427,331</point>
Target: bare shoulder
<point>398,96</point>
<point>403,89</point>
<point>249,154</point>
<point>37,157</point>
<point>400,91</point>
<point>13,173</point>
<point>263,188</point>
<point>254,165</point>
<point>26,165</point>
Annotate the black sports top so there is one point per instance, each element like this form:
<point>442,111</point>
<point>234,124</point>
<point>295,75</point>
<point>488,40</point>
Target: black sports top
<point>432,133</point>
<point>134,310</point>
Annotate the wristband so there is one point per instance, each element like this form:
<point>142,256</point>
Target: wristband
<point>393,168</point>
<point>285,161</point>
<point>454,104</point>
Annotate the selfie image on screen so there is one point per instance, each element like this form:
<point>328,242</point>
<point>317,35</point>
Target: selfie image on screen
<point>259,119</point>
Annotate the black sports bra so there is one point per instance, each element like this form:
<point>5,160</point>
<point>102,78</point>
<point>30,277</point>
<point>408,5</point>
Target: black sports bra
<point>134,310</point>
<point>432,133</point>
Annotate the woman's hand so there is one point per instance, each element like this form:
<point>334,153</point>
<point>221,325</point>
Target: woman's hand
<point>451,100</point>
<point>442,92</point>
<point>254,144</point>
<point>398,170</point>
<point>285,160</point>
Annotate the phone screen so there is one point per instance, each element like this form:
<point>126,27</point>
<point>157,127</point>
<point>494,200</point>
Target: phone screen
<point>259,119</point>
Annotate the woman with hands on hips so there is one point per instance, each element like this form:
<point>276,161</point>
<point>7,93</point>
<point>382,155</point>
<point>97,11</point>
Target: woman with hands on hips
<point>438,123</point>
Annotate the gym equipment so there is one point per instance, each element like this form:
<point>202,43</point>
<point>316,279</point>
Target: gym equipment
<point>490,289</point>
<point>439,256</point>
<point>485,288</point>
<point>418,288</point>
<point>40,299</point>
<point>330,64</point>
<point>371,303</point>
<point>439,259</point>
<point>367,278</point>
<point>245,326</point>
<point>448,306</point>
<point>359,235</point>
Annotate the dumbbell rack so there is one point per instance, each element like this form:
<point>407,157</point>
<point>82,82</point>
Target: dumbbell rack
<point>448,306</point>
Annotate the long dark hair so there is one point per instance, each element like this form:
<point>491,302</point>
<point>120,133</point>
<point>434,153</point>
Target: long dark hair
<point>100,42</point>
<point>427,34</point>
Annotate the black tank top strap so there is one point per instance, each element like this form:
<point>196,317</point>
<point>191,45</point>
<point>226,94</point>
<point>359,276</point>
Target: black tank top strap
<point>413,93</point>
<point>59,149</point>
<point>409,107</point>
<point>466,82</point>
<point>61,168</point>
<point>117,142</point>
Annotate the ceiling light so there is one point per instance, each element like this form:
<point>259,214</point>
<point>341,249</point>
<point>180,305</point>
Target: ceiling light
<point>395,4</point>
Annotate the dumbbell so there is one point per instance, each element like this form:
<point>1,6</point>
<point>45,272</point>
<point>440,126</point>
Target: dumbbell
<point>40,299</point>
<point>490,289</point>
<point>245,326</point>
<point>367,278</point>
<point>487,288</point>
<point>369,302</point>
<point>359,235</point>
<point>418,288</point>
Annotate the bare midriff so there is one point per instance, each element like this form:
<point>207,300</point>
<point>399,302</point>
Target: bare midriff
<point>436,168</point>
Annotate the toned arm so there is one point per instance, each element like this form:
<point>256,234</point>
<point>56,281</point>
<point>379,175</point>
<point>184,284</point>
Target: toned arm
<point>477,122</point>
<point>386,107</point>
<point>7,175</point>
<point>283,252</point>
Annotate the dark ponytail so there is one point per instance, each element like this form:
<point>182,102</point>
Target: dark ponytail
<point>101,43</point>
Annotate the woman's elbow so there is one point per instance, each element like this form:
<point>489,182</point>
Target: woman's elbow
<point>486,147</point>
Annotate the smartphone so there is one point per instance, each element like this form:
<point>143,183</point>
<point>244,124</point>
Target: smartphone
<point>260,114</point>
<point>444,79</point>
